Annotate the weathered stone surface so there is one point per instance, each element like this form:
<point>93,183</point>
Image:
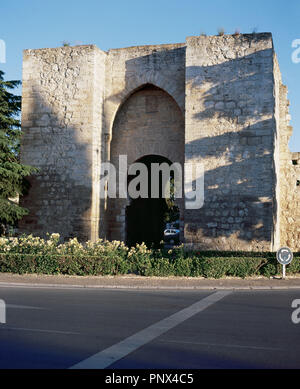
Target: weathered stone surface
<point>63,92</point>
<point>287,169</point>
<point>218,100</point>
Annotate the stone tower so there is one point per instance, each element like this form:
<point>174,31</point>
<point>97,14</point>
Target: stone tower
<point>218,100</point>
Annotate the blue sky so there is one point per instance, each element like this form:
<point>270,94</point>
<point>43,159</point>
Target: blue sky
<point>27,24</point>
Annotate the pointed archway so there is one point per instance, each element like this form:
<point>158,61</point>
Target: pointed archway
<point>149,122</point>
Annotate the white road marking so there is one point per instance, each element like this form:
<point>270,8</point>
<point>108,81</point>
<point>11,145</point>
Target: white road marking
<point>222,345</point>
<point>38,330</point>
<point>23,306</point>
<point>105,358</point>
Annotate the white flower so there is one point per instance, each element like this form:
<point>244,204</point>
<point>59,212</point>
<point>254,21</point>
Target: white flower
<point>54,236</point>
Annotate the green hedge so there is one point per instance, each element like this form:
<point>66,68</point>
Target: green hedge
<point>29,254</point>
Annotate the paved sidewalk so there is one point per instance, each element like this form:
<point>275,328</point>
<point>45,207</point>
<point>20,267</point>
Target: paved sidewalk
<point>138,282</point>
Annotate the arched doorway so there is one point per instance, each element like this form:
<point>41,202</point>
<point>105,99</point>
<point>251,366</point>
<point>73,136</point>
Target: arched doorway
<point>146,217</point>
<point>148,123</point>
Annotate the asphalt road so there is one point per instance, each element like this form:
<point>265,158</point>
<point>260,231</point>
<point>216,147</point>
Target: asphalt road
<point>61,328</point>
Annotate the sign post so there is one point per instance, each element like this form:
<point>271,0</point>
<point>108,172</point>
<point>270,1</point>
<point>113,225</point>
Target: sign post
<point>284,256</point>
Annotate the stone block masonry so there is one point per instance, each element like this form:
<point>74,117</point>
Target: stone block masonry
<point>61,116</point>
<point>230,126</point>
<point>218,100</point>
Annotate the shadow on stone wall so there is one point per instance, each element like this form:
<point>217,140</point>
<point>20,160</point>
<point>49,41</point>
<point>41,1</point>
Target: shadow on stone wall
<point>240,178</point>
<point>238,196</point>
<point>60,197</point>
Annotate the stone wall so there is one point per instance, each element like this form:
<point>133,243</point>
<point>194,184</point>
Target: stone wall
<point>230,128</point>
<point>128,69</point>
<point>61,121</point>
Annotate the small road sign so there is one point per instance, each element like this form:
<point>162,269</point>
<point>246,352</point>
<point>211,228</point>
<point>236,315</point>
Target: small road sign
<point>284,256</point>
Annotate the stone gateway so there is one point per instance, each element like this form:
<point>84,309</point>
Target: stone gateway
<point>218,100</point>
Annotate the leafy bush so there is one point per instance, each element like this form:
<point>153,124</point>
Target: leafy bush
<point>139,258</point>
<point>161,267</point>
<point>29,254</point>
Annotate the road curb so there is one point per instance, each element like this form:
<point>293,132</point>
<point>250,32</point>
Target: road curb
<point>147,287</point>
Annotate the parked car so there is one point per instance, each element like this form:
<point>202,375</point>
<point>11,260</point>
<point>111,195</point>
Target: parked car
<point>171,235</point>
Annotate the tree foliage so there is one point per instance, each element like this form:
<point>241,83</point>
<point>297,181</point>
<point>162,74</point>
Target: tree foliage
<point>12,173</point>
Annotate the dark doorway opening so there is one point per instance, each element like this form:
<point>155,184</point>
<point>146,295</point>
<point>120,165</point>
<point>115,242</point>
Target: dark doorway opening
<point>146,217</point>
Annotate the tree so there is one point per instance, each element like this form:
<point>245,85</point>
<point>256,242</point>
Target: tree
<point>12,173</point>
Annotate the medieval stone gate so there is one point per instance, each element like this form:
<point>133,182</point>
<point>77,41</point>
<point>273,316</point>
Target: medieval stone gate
<point>218,100</point>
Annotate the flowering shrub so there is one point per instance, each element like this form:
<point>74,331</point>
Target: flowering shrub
<point>29,254</point>
<point>139,258</point>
